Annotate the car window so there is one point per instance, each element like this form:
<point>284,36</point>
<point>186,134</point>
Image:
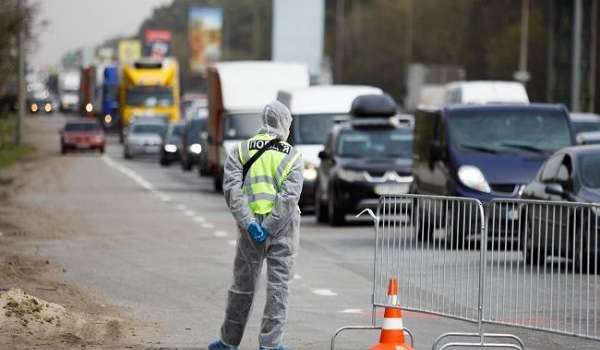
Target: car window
<point>386,143</point>
<point>551,167</point>
<point>149,129</point>
<point>588,166</point>
<point>82,127</point>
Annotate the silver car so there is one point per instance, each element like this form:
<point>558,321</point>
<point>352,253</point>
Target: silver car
<point>143,138</point>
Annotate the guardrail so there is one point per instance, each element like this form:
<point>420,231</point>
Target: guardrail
<point>514,262</point>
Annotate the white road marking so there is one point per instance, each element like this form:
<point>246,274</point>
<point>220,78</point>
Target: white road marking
<point>181,207</point>
<point>297,277</point>
<point>324,292</point>
<point>163,197</point>
<point>220,234</point>
<point>130,173</point>
<point>208,225</point>
<point>352,311</point>
<point>190,213</point>
<point>199,219</point>
<point>232,242</point>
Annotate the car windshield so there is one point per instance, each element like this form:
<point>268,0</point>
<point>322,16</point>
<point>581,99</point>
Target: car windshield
<point>589,165</point>
<point>312,129</point>
<point>384,143</point>
<point>195,128</point>
<point>82,127</point>
<point>150,96</point>
<point>158,129</point>
<point>516,132</point>
<point>585,126</point>
<point>241,126</point>
<point>175,133</point>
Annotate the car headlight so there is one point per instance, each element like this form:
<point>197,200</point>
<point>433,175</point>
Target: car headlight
<point>34,107</point>
<point>195,148</point>
<point>351,175</point>
<point>48,107</point>
<point>473,178</point>
<point>107,119</point>
<point>170,148</point>
<point>89,108</point>
<point>310,171</point>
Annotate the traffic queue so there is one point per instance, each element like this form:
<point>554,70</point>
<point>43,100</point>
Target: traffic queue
<point>483,140</point>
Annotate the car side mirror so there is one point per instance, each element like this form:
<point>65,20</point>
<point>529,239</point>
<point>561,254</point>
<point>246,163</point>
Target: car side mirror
<point>555,189</point>
<point>323,155</point>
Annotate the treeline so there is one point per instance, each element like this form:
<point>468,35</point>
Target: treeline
<point>14,17</point>
<point>381,36</point>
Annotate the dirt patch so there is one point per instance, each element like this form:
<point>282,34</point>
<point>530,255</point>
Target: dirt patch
<point>39,308</point>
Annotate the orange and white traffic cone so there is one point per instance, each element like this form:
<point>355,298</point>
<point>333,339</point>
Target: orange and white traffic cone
<point>392,331</point>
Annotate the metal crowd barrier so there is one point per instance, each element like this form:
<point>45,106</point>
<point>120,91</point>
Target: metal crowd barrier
<point>541,266</point>
<point>521,263</point>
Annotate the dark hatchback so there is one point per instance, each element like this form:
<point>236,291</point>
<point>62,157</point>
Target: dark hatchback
<point>362,160</point>
<point>570,175</point>
<point>485,152</point>
<point>169,150</point>
<point>189,145</point>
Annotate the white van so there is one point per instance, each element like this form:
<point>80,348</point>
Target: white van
<point>315,110</point>
<point>237,94</point>
<point>482,92</point>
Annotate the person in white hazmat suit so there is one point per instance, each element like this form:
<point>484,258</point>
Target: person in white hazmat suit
<point>262,185</point>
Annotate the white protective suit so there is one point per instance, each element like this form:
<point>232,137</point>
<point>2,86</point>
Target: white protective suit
<point>279,250</point>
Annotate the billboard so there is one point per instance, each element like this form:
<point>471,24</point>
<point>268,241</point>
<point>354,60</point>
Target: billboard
<point>204,36</point>
<point>157,43</point>
<point>298,28</point>
<point>129,51</point>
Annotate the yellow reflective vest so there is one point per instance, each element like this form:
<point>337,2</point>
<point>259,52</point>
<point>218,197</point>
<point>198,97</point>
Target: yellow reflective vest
<point>267,174</point>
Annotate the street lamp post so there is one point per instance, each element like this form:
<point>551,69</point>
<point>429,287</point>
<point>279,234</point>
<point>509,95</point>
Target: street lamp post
<point>576,59</point>
<point>522,74</point>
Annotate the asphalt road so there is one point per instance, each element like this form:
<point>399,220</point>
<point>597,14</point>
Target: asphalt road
<point>160,243</point>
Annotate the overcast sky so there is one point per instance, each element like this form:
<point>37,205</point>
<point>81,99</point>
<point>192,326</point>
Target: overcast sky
<point>76,23</point>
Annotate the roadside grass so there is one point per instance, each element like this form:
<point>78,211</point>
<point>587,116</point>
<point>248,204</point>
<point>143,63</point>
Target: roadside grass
<point>9,152</point>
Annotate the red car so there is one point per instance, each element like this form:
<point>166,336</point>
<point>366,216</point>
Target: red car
<point>82,134</point>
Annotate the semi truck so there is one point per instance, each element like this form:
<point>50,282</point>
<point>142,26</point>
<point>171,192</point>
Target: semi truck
<point>237,94</point>
<point>149,88</point>
<point>110,97</point>
<point>68,90</point>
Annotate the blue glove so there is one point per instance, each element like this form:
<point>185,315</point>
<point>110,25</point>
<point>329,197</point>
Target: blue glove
<point>257,233</point>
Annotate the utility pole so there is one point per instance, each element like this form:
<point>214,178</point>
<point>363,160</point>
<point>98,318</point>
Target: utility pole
<point>576,58</point>
<point>339,39</point>
<point>20,73</point>
<point>522,74</point>
<point>593,56</point>
<point>409,32</point>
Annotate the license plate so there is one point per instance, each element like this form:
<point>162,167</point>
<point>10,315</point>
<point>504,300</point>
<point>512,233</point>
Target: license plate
<point>391,189</point>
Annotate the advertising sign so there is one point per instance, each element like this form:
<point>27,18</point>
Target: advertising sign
<point>129,51</point>
<point>205,36</point>
<point>157,43</point>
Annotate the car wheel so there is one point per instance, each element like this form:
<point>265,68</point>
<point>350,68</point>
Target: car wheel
<point>532,255</point>
<point>101,149</point>
<point>63,149</point>
<point>126,154</point>
<point>164,161</point>
<point>337,216</point>
<point>186,165</point>
<point>218,182</point>
<point>320,208</point>
<point>584,260</point>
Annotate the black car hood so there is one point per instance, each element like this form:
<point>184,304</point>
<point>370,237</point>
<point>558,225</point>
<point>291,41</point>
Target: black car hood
<point>400,165</point>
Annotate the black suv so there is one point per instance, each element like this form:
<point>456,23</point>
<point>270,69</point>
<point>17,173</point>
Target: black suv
<point>364,158</point>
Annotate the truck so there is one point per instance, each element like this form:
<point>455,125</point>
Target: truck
<point>237,93</point>
<point>109,99</point>
<point>149,88</point>
<point>68,90</point>
<point>87,91</point>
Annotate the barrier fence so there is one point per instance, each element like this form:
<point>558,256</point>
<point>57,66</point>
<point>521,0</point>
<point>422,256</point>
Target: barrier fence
<point>514,262</point>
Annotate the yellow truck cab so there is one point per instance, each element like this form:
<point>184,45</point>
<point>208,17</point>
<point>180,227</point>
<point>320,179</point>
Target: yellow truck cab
<point>149,88</point>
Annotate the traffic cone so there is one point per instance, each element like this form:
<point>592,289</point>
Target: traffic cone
<point>392,331</point>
